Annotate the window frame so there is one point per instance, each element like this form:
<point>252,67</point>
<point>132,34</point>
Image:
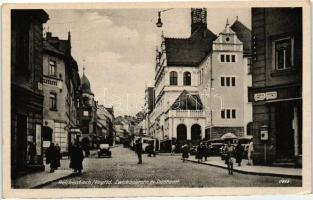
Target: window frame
<point>53,101</point>
<point>173,79</point>
<point>50,67</point>
<point>186,78</point>
<point>275,57</point>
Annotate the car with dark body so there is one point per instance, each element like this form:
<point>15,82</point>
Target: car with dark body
<point>104,151</point>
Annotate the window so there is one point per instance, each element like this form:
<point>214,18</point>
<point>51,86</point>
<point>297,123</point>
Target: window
<point>233,81</point>
<point>228,113</point>
<point>223,114</point>
<point>227,81</point>
<point>222,81</point>
<point>283,54</point>
<point>228,58</point>
<point>187,78</point>
<point>52,68</point>
<point>53,101</point>
<point>222,58</point>
<point>233,58</point>
<point>173,78</point>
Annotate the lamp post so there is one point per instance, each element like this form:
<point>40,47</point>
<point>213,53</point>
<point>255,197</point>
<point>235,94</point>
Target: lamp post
<point>159,23</point>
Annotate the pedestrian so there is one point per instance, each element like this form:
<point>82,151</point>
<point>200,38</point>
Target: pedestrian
<point>206,151</point>
<point>52,157</point>
<point>58,155</point>
<point>239,153</point>
<point>199,153</point>
<point>150,149</point>
<point>229,150</point>
<point>250,152</point>
<point>173,149</point>
<point>76,158</point>
<point>138,150</point>
<point>185,152</point>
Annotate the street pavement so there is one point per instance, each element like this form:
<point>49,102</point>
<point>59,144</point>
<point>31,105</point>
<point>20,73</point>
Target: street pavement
<point>122,170</point>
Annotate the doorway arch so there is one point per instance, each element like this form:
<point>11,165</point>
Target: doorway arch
<point>195,133</point>
<point>181,133</point>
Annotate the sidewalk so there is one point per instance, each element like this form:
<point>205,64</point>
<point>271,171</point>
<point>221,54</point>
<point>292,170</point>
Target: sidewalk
<point>38,179</point>
<point>256,170</point>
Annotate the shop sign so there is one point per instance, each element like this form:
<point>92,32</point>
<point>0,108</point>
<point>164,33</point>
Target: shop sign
<point>265,96</point>
<point>39,86</point>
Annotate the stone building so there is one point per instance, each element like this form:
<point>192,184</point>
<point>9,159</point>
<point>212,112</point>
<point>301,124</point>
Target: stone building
<point>105,118</point>
<point>223,82</point>
<point>276,91</point>
<point>199,77</point>
<point>26,90</point>
<point>87,113</point>
<point>60,85</point>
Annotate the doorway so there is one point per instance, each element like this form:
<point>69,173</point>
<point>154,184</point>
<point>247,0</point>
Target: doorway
<point>21,142</point>
<point>181,134</point>
<point>284,130</point>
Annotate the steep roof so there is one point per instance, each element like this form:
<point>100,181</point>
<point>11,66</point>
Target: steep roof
<point>85,84</point>
<point>243,34</point>
<point>189,51</point>
<point>187,101</point>
<point>49,47</point>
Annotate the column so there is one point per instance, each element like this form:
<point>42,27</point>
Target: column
<point>188,129</point>
<point>203,130</point>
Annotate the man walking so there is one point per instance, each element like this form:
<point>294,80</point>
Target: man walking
<point>76,158</point>
<point>52,157</point>
<point>139,150</point>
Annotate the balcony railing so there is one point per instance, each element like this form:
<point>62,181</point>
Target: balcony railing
<point>187,113</point>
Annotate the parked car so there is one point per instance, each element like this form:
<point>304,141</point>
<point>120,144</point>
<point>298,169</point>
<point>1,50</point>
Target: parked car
<point>104,150</point>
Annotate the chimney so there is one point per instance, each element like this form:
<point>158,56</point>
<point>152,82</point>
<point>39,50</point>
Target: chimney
<point>198,18</point>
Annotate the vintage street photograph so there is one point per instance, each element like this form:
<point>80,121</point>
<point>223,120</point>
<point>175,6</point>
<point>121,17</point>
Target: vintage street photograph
<point>172,97</point>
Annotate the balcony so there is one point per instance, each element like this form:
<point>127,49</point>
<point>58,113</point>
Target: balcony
<point>187,113</point>
<point>47,80</point>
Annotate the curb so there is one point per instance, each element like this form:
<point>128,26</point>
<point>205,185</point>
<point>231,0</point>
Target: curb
<point>48,182</point>
<point>252,173</point>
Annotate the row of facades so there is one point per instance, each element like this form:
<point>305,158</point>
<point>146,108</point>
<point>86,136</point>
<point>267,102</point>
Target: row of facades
<point>237,81</point>
<point>50,103</point>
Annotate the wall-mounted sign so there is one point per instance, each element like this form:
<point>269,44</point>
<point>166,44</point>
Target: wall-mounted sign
<point>39,86</point>
<point>259,96</point>
<point>271,95</point>
<point>265,96</point>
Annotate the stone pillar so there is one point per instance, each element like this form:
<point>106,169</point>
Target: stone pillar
<point>203,130</point>
<point>188,130</point>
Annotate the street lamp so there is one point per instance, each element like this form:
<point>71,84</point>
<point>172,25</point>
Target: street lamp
<point>159,23</point>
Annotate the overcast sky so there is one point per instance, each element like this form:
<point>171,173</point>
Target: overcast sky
<point>117,46</point>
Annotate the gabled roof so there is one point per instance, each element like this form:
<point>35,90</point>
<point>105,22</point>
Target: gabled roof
<point>243,34</point>
<point>187,101</point>
<point>189,51</point>
<point>49,47</point>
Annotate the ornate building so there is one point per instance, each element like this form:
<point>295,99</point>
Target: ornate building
<point>87,113</point>
<point>200,84</point>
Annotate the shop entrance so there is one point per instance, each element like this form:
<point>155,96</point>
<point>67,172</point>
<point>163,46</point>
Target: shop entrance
<point>284,130</point>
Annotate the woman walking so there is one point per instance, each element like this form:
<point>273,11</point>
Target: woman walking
<point>239,153</point>
<point>77,157</point>
<point>185,152</point>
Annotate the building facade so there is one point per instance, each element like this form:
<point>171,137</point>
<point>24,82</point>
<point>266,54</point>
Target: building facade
<point>60,85</point>
<point>200,84</point>
<point>26,90</point>
<point>276,91</point>
<point>105,118</point>
<point>87,113</point>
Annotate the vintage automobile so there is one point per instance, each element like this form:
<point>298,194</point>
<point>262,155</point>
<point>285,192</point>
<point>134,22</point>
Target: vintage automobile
<point>104,150</point>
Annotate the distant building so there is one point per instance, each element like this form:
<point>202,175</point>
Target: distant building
<point>148,108</point>
<point>105,120</point>
<point>276,91</point>
<point>87,113</point>
<point>60,86</point>
<point>26,90</point>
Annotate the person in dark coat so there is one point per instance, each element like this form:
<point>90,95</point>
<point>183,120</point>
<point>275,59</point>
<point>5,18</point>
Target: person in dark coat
<point>139,150</point>
<point>58,153</point>
<point>52,157</point>
<point>199,153</point>
<point>206,151</point>
<point>239,153</point>
<point>76,158</point>
<point>185,151</point>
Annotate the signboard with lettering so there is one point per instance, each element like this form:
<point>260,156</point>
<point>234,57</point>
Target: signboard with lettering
<point>265,96</point>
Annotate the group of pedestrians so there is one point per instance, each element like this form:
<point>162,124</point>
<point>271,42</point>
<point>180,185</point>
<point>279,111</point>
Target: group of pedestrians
<point>53,157</point>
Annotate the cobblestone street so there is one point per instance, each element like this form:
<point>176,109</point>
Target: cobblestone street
<point>122,170</point>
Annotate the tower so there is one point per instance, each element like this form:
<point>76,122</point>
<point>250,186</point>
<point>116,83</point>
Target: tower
<point>198,18</point>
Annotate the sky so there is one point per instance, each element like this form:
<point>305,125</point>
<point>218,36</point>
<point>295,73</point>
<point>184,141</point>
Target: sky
<point>117,46</point>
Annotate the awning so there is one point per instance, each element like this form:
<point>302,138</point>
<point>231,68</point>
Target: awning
<point>228,136</point>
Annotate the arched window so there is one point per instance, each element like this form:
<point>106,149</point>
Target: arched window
<point>187,78</point>
<point>173,78</point>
